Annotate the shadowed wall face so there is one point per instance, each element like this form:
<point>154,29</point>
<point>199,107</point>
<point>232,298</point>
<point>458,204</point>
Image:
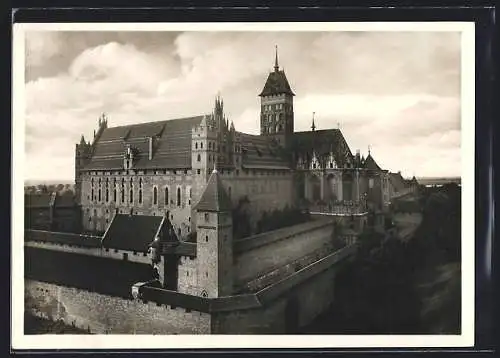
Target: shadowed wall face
<point>96,274</point>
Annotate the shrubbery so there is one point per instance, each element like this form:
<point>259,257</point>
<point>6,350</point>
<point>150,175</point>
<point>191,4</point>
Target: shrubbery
<point>380,291</point>
<point>241,219</point>
<point>278,219</point>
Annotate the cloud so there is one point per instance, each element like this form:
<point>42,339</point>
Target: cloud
<point>398,92</point>
<point>42,47</point>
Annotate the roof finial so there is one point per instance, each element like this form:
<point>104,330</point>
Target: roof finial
<point>276,66</point>
<point>369,149</point>
<point>313,127</point>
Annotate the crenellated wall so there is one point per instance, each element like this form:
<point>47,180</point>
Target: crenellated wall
<point>103,303</point>
<point>293,303</point>
<point>107,314</point>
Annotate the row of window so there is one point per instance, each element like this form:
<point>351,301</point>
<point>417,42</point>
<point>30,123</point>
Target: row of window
<point>272,118</point>
<point>331,165</point>
<point>273,107</point>
<point>211,146</point>
<point>166,197</point>
<point>141,172</point>
<point>210,159</point>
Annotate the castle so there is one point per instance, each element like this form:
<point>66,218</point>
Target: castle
<point>162,168</point>
<point>159,202</point>
<point>192,172</point>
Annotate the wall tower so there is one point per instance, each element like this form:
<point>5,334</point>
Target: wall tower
<point>214,236</point>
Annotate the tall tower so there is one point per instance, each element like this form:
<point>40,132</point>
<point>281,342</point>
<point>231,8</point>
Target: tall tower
<point>214,236</point>
<point>276,106</point>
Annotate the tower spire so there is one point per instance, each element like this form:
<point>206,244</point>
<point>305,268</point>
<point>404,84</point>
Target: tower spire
<point>313,127</point>
<point>276,66</point>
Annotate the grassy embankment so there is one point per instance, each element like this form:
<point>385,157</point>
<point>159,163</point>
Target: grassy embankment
<point>404,285</point>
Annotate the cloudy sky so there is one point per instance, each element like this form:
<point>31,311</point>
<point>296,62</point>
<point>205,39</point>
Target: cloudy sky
<point>398,92</point>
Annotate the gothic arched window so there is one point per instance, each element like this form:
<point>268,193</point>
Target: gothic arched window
<point>155,196</point>
<point>178,196</point>
<point>166,195</point>
<point>123,190</point>
<point>131,194</point>
<point>199,158</point>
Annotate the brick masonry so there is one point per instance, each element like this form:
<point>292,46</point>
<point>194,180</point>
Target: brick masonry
<point>260,260</point>
<point>107,314</point>
<point>311,299</point>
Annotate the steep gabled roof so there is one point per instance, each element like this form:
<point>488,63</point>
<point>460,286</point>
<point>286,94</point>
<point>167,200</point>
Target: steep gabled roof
<point>132,232</point>
<point>397,181</point>
<point>322,143</point>
<point>259,152</point>
<point>214,197</point>
<point>171,148</point>
<point>37,200</point>
<point>276,83</point>
<point>370,163</point>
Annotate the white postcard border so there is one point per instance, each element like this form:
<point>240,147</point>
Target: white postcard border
<point>466,339</point>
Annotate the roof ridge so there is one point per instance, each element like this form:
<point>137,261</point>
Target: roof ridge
<point>161,121</point>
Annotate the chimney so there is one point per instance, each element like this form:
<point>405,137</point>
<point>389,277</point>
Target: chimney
<point>150,148</point>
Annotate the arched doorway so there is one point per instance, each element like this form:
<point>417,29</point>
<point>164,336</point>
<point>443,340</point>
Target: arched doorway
<point>347,186</point>
<point>316,188</point>
<point>300,186</point>
<point>331,191</point>
<point>292,315</point>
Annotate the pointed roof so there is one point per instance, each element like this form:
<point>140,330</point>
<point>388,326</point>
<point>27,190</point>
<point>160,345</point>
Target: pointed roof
<point>214,198</point>
<point>370,163</point>
<point>276,83</point>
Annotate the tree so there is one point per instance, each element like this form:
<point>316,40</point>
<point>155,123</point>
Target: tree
<point>42,188</point>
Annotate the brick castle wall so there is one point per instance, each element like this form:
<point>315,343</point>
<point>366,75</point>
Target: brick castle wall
<point>262,259</point>
<point>106,314</point>
<point>267,192</point>
<point>96,274</point>
<point>300,306</point>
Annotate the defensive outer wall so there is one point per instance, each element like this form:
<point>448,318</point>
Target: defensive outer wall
<point>285,280</point>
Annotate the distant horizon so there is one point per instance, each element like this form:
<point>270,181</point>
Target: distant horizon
<point>71,181</point>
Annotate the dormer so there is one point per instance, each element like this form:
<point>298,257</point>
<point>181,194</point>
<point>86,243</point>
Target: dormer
<point>332,164</point>
<point>315,164</point>
<point>300,162</point>
<point>128,157</point>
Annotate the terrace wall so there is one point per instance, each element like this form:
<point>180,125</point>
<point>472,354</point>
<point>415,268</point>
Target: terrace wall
<point>107,314</point>
<point>259,254</point>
